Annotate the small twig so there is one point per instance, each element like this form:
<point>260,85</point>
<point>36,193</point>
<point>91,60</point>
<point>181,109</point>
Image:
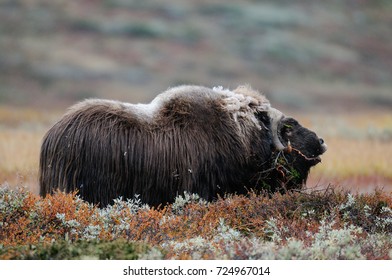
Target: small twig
<point>301,154</point>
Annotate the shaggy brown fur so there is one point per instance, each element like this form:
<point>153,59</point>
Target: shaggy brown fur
<point>189,138</point>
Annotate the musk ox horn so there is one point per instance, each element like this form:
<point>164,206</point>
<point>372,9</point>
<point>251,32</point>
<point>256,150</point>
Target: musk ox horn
<point>276,116</point>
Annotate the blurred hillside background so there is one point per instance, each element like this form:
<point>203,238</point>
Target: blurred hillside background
<point>328,63</point>
<point>304,55</point>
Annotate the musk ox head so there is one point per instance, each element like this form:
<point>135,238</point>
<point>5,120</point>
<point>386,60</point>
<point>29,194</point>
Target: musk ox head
<point>297,149</point>
<point>302,141</point>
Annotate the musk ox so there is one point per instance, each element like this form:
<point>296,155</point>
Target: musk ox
<point>189,138</point>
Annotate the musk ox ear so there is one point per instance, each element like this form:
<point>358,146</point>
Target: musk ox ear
<point>276,117</point>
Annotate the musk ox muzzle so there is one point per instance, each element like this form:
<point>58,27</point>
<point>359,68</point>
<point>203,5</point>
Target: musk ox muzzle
<point>189,138</point>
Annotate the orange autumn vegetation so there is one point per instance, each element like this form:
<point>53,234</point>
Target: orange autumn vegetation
<point>238,227</point>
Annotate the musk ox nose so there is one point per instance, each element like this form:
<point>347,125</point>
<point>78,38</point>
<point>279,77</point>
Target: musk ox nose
<point>324,146</point>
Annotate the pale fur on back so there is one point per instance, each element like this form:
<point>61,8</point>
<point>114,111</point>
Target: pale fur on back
<point>243,102</point>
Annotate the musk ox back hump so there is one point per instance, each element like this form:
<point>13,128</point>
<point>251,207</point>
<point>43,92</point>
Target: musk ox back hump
<point>194,139</point>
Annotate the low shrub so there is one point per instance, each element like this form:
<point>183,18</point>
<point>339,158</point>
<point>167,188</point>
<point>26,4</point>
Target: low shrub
<point>326,224</point>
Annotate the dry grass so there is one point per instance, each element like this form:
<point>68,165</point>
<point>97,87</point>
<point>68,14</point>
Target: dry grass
<point>19,152</point>
<point>359,147</point>
<point>359,152</point>
<point>11,116</point>
<point>356,165</point>
<point>21,131</point>
<point>347,157</point>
